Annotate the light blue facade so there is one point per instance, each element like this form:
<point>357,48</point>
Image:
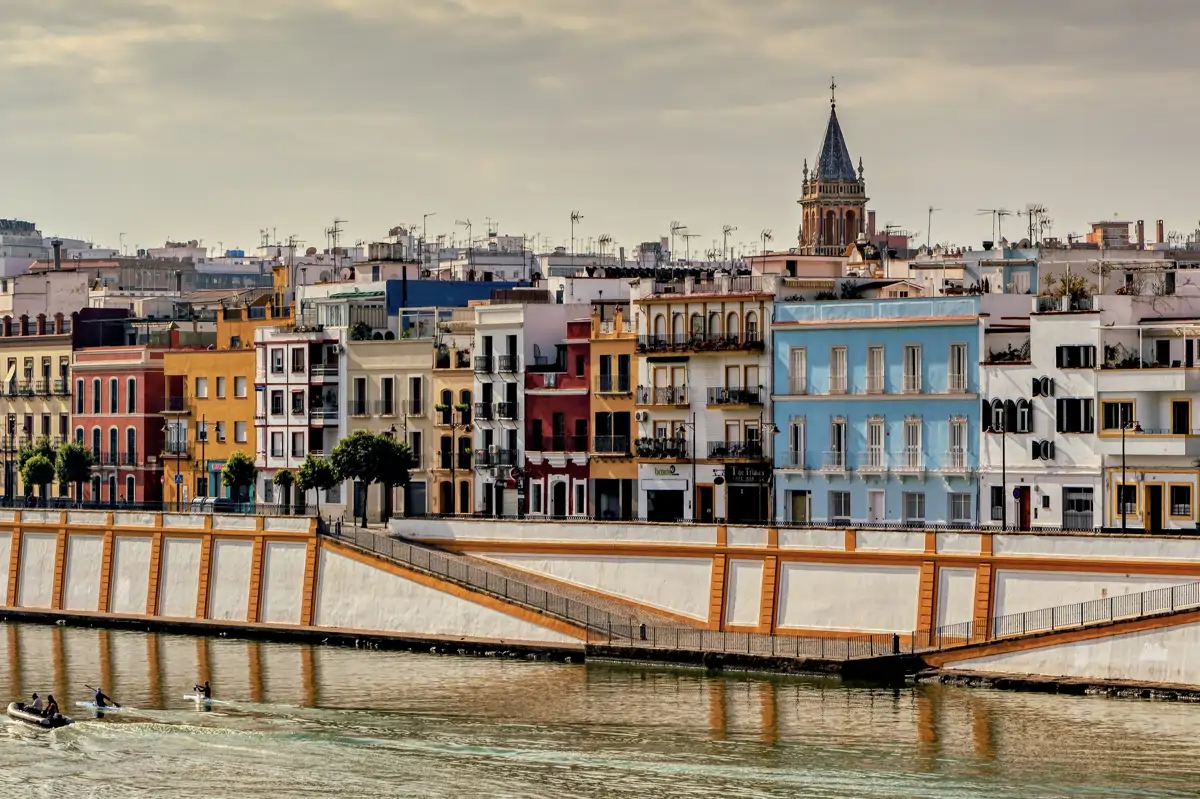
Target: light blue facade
<point>940,413</point>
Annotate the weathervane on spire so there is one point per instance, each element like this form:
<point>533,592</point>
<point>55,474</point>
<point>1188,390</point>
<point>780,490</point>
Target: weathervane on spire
<point>832,93</point>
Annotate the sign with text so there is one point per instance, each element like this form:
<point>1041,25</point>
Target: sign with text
<point>747,473</point>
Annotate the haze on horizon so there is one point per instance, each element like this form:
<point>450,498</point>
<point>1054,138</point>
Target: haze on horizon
<point>183,119</point>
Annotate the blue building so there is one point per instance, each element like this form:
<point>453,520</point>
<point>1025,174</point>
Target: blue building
<point>877,407</point>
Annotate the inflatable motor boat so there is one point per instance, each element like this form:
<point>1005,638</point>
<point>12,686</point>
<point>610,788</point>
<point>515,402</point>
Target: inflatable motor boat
<point>16,710</point>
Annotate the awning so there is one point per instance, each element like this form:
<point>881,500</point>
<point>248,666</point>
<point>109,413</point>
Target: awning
<point>673,484</point>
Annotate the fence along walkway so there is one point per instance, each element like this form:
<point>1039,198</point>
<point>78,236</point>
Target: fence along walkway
<point>1127,607</point>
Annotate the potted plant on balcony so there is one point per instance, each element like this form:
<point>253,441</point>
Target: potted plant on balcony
<point>719,451</point>
<point>644,447</point>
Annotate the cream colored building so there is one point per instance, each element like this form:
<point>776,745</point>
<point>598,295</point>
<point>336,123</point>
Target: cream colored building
<point>388,391</point>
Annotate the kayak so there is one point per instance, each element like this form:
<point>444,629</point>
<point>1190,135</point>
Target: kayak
<point>94,706</point>
<point>16,710</point>
<point>201,698</point>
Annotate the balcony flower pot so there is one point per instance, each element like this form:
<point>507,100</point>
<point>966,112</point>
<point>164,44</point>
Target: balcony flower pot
<point>644,447</point>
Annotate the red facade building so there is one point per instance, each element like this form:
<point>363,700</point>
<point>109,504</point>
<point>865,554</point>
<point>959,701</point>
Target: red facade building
<point>557,407</point>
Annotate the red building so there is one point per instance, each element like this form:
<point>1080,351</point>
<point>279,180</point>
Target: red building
<point>557,407</point>
<point>117,402</point>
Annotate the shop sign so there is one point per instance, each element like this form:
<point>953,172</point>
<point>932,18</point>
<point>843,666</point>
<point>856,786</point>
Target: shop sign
<point>743,473</point>
<point>664,471</point>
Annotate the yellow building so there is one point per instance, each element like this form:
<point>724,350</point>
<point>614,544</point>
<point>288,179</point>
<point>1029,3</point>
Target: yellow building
<point>210,404</point>
<point>35,397</point>
<point>453,383</point>
<point>612,471</point>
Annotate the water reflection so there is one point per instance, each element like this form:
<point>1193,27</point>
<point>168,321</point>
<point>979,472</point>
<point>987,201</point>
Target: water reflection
<point>459,726</point>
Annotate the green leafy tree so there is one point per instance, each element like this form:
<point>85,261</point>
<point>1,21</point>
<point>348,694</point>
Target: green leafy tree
<point>39,447</point>
<point>37,471</point>
<point>316,474</point>
<point>73,464</point>
<point>355,458</point>
<point>396,463</point>
<point>284,479</point>
<point>238,474</point>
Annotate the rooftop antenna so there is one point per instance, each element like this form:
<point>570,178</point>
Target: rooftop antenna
<point>929,227</point>
<point>766,235</point>
<point>1000,214</point>
<point>725,231</point>
<point>992,213</point>
<point>334,234</point>
<point>603,241</point>
<point>576,217</point>
<point>687,245</point>
<point>470,241</point>
<point>677,228</point>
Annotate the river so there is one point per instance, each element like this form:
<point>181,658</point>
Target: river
<point>330,722</point>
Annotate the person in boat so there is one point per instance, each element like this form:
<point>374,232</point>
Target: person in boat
<point>51,707</point>
<point>36,704</point>
<point>102,700</point>
<point>204,690</point>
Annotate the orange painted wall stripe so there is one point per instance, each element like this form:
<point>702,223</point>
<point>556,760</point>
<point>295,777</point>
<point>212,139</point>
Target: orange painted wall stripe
<point>716,594</point>
<point>14,567</point>
<point>156,547</point>
<point>927,596</point>
<point>770,589</point>
<point>105,573</point>
<point>256,570</point>
<point>983,599</point>
<point>205,576</point>
<point>60,568</point>
<point>310,583</point>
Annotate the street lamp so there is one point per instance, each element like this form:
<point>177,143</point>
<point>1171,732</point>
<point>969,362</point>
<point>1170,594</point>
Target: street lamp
<point>771,429</point>
<point>1136,428</point>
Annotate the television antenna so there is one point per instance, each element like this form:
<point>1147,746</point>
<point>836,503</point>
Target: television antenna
<point>687,245</point>
<point>929,227</point>
<point>766,235</point>
<point>725,231</point>
<point>677,228</point>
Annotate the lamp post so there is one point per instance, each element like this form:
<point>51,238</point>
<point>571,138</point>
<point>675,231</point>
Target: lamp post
<point>1136,428</point>
<point>771,429</point>
<point>1004,472</point>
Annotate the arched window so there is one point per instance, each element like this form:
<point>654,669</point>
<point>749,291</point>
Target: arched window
<point>131,446</point>
<point>751,326</point>
<point>851,226</point>
<point>111,455</point>
<point>714,324</point>
<point>998,416</point>
<point>79,435</point>
<point>130,488</point>
<point>464,399</point>
<point>464,497</point>
<point>732,326</point>
<point>448,405</point>
<point>660,325</point>
<point>677,326</point>
<point>96,443</point>
<point>829,229</point>
<point>697,326</point>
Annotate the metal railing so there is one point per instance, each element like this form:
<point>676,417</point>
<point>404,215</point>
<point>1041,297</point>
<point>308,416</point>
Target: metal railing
<point>834,461</point>
<point>735,449</point>
<point>734,396</point>
<point>483,411</point>
<point>496,457</point>
<point>698,342</point>
<point>613,384</point>
<point>483,364</point>
<point>662,395</point>
<point>507,363</point>
<point>507,411</point>
<point>663,448</point>
<point>693,639</point>
<point>610,445</point>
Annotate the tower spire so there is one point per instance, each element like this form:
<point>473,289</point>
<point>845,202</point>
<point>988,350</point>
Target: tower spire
<point>833,93</point>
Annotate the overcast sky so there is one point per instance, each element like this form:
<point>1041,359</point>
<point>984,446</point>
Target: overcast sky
<point>214,118</point>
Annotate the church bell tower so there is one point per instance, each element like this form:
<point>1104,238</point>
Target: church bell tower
<point>833,198</point>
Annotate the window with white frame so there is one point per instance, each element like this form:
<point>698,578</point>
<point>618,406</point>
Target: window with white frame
<point>201,387</point>
<point>912,444</point>
<point>912,369</point>
<point>797,444</point>
<point>114,402</point>
<point>835,458</point>
<point>239,387</point>
<point>239,432</point>
<point>797,377</point>
<point>535,498</point>
<point>580,500</point>
<point>297,445</point>
<point>960,508</point>
<point>277,361</point>
<point>220,388</point>
<point>875,372</point>
<point>131,395</point>
<point>914,507</point>
<point>839,507</point>
<point>837,370</point>
<point>958,369</point>
<point>875,445</point>
<point>277,445</point>
<point>956,457</point>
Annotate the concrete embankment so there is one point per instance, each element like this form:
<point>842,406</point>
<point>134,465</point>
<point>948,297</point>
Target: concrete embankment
<point>1120,689</point>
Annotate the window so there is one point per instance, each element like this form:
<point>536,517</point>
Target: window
<point>79,435</point>
<point>1075,416</point>
<point>960,509</point>
<point>836,457</point>
<point>277,361</point>
<point>875,445</point>
<point>131,395</point>
<point>277,445</point>
<point>96,443</point>
<point>1115,415</point>
<point>414,443</point>
<point>64,425</point>
<point>298,402</point>
<point>958,369</point>
<point>956,456</point>
<point>580,365</point>
<point>1181,501</point>
<point>798,445</point>
<point>914,507</point>
<point>387,399</point>
<point>875,370</point>
<point>1181,417</point>
<point>798,361</point>
<point>96,395</point>
<point>202,388</point>
<point>220,388</point>
<point>131,446</point>
<point>997,493</point>
<point>113,400</point>
<point>220,429</point>
<point>1075,356</point>
<point>1127,499</point>
<point>235,342</point>
<point>839,507</point>
<point>268,490</point>
<point>580,500</point>
<point>297,359</point>
<point>298,445</point>
<point>277,403</point>
<point>239,432</point>
<point>1024,416</point>
<point>912,446</point>
<point>837,370</point>
<point>130,487</point>
<point>912,369</point>
<point>45,424</point>
<point>239,387</point>
<point>414,396</point>
<point>535,498</point>
<point>79,406</point>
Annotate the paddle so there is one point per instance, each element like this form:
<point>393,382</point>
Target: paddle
<point>93,690</point>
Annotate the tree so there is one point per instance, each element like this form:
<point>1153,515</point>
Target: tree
<point>284,479</point>
<point>37,471</point>
<point>39,447</point>
<point>73,464</point>
<point>316,474</point>
<point>396,461</point>
<point>238,474</point>
<point>355,458</point>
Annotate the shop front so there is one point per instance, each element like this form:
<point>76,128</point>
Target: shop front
<point>747,488</point>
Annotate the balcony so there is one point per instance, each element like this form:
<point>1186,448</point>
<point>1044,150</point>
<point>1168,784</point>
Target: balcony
<point>617,446</point>
<point>735,450</point>
<point>837,383</point>
<point>912,384</point>
<point>483,411</point>
<point>613,384</point>
<point>42,388</point>
<point>956,384</point>
<point>109,459</point>
<point>875,383</point>
<point>663,448</point>
<point>956,462</point>
<point>483,364</point>
<point>734,396</point>
<point>718,285</point>
<point>445,461</point>
<point>874,461</point>
<point>507,364</point>
<point>130,459</point>
<point>386,407</point>
<point>322,412</point>
<point>676,396</point>
<point>491,458</point>
<point>358,408</point>
<point>325,372</point>
<point>171,449</point>
<point>699,343</point>
<point>833,461</point>
<point>507,411</point>
<point>175,405</point>
<point>62,387</point>
<point>558,444</point>
<point>1150,442</point>
<point>794,460</point>
<point>911,461</point>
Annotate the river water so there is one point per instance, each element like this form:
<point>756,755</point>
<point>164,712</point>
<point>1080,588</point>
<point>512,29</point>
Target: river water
<point>328,722</point>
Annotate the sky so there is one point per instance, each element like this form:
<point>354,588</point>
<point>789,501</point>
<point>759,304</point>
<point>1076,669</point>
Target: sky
<point>215,119</point>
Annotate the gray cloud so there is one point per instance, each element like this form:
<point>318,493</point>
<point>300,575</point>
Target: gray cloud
<point>214,119</point>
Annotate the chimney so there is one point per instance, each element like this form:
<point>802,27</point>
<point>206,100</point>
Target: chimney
<point>57,245</point>
<point>622,261</point>
<point>1141,234</point>
<point>870,224</point>
<point>1158,232</point>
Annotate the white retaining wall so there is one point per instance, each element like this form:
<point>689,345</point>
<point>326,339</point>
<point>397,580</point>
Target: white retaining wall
<point>823,596</point>
<point>35,588</point>
<point>229,586</point>
<point>180,583</point>
<point>743,597</point>
<point>81,580</point>
<point>283,582</point>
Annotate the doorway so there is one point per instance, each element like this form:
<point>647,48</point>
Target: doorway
<point>706,504</point>
<point>1024,507</point>
<point>558,500</point>
<point>445,497</point>
<point>800,507</point>
<point>1153,521</point>
<point>876,506</point>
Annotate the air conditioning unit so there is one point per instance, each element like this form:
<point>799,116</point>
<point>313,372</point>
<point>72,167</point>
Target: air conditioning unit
<point>494,449</point>
<point>642,416</point>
